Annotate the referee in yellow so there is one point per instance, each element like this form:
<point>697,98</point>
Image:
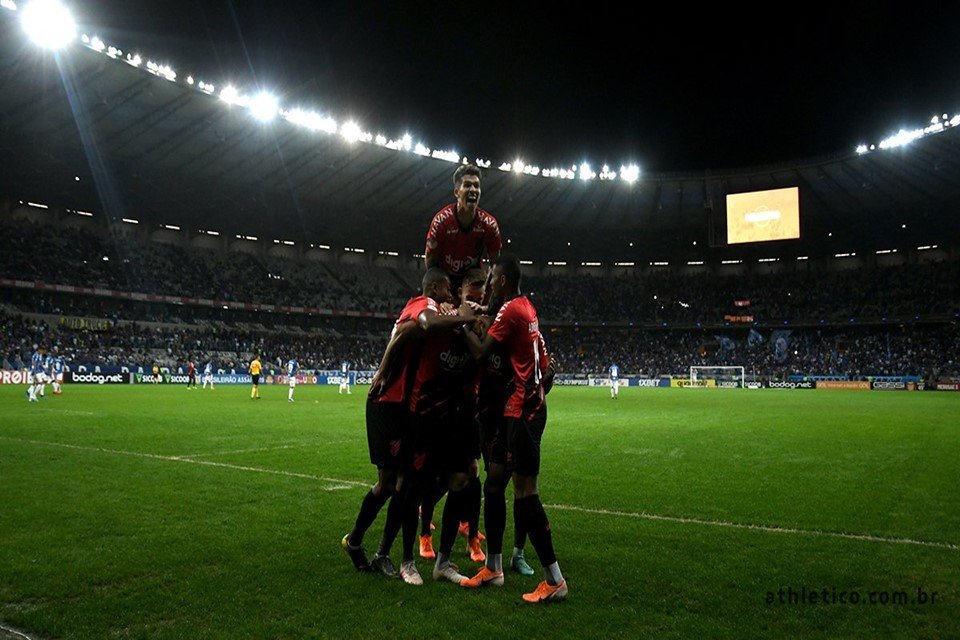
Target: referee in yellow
<point>255,375</point>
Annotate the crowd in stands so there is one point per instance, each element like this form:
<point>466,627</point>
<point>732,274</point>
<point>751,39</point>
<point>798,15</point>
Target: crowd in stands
<point>905,290</point>
<point>80,257</point>
<point>138,344</point>
<point>907,350</point>
<point>862,351</point>
<point>103,330</point>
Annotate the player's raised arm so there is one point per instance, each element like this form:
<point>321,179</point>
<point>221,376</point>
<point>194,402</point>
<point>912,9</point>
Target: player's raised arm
<point>479,346</point>
<point>401,335</point>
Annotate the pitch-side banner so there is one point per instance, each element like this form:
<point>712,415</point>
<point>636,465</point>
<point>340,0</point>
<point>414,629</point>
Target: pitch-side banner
<point>803,384</point>
<point>76,377</point>
<point>8,376</point>
<point>852,385</point>
<point>693,384</point>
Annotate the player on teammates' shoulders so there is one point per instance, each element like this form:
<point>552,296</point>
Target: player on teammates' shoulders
<point>459,233</point>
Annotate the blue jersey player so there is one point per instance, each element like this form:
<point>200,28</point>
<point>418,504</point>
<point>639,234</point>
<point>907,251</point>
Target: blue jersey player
<point>57,377</point>
<point>208,375</point>
<point>614,381</point>
<point>344,378</point>
<point>293,368</point>
<point>35,379</point>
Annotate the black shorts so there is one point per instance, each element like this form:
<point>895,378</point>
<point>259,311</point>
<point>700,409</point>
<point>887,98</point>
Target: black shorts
<point>493,439</point>
<point>442,443</point>
<point>523,442</point>
<point>387,433</point>
<point>255,377</point>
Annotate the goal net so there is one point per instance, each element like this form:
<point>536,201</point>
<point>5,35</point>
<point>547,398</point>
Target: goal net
<point>725,377</point>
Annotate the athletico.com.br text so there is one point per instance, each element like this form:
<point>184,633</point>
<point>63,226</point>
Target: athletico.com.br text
<point>789,595</point>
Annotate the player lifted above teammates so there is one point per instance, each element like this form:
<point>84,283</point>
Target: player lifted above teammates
<point>460,232</point>
<point>516,332</point>
<point>388,430</point>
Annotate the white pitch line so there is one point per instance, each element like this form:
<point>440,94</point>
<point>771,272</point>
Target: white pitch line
<point>14,632</point>
<point>337,484</point>
<point>347,484</point>
<point>755,527</point>
<point>227,453</point>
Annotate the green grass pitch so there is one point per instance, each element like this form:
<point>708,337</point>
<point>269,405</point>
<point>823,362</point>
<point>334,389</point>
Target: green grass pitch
<point>158,512</point>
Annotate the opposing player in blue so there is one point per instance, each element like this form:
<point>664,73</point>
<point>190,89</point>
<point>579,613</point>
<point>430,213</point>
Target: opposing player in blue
<point>57,378</point>
<point>293,368</point>
<point>344,378</point>
<point>614,382</point>
<point>208,375</point>
<point>47,374</point>
<point>36,374</point>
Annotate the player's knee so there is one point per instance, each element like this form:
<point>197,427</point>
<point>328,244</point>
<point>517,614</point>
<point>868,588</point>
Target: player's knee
<point>493,486</point>
<point>458,482</point>
<point>524,486</point>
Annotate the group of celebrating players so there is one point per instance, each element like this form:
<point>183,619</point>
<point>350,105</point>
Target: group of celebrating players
<point>464,376</point>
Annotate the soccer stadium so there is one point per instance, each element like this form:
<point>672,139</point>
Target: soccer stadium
<point>272,367</point>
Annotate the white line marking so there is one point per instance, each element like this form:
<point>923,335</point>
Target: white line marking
<point>15,632</point>
<point>337,484</point>
<point>754,527</point>
<point>348,484</point>
<point>227,453</point>
<point>276,448</point>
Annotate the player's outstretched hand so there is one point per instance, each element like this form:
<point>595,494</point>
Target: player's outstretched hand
<point>481,324</point>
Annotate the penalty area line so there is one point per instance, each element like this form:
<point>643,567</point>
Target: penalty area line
<point>755,527</point>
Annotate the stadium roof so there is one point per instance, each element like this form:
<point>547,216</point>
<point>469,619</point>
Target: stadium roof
<point>163,153</point>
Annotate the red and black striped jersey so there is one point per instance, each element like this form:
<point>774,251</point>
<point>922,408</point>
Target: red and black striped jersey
<point>517,330</point>
<point>395,380</point>
<point>445,374</point>
<point>461,249</point>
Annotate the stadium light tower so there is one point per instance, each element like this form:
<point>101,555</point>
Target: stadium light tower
<point>49,24</point>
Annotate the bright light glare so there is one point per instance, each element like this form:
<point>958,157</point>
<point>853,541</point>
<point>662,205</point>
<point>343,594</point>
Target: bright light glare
<point>264,107</point>
<point>630,174</point>
<point>49,24</point>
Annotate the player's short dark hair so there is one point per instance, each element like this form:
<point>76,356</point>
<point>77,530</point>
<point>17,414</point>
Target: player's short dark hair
<point>466,170</point>
<point>474,276</point>
<point>431,277</point>
<point>510,267</point>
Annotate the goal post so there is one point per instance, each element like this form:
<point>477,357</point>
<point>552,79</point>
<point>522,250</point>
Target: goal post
<point>724,377</point>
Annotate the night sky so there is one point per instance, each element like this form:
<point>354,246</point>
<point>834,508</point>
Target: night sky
<point>671,89</point>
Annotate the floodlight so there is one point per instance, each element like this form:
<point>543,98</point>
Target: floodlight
<point>264,106</point>
<point>49,24</point>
